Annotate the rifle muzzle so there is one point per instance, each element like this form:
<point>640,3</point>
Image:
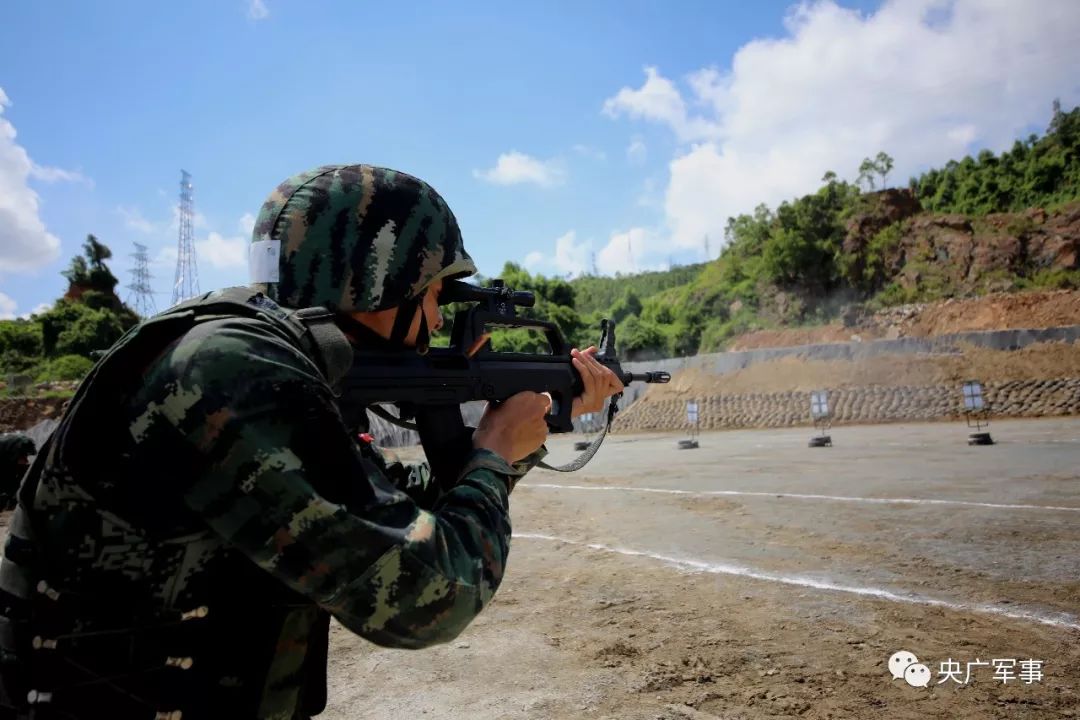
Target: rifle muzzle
<point>647,377</point>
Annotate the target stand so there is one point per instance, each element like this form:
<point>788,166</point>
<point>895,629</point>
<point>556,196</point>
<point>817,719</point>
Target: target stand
<point>977,414</point>
<point>820,413</point>
<point>694,422</point>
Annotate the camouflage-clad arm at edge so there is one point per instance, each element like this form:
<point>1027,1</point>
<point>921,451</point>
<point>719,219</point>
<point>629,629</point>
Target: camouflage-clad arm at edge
<point>415,480</point>
<point>282,481</point>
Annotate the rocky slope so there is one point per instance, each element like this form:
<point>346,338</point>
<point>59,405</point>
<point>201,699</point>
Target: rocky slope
<point>962,251</point>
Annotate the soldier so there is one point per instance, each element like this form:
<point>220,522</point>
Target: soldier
<point>202,510</point>
<point>15,452</point>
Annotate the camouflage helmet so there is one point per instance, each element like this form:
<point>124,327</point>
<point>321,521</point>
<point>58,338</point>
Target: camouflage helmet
<point>354,238</point>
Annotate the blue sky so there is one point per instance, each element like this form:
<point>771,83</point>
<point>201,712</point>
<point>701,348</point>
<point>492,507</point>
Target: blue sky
<point>557,131</point>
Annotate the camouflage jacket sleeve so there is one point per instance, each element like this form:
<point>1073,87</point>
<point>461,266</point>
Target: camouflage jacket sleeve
<point>415,480</point>
<point>281,479</point>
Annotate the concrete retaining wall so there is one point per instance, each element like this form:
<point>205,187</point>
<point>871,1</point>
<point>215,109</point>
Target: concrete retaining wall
<point>720,363</point>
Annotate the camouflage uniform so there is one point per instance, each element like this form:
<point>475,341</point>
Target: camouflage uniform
<point>202,510</point>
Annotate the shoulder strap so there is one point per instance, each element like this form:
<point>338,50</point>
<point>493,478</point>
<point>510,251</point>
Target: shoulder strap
<point>313,329</point>
<point>322,338</point>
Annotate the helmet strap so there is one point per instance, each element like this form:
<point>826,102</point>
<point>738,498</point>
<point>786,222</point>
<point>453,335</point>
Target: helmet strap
<point>361,335</point>
<point>368,339</point>
<point>403,321</point>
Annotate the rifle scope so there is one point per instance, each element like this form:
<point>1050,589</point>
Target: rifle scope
<point>496,294</point>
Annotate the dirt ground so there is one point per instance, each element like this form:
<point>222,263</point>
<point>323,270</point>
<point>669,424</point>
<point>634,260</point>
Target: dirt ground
<point>757,578</point>
<point>793,337</point>
<point>1001,311</point>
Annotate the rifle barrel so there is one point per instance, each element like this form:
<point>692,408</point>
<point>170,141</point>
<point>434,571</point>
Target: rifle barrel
<point>647,377</point>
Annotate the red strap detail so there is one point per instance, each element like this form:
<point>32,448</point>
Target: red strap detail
<point>367,437</point>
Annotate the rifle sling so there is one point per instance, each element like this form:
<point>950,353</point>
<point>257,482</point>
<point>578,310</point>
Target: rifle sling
<point>388,417</point>
<point>581,460</point>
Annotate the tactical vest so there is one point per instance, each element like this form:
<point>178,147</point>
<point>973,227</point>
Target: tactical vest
<point>122,641</point>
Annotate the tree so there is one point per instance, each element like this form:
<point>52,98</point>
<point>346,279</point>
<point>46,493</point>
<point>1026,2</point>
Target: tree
<point>1038,171</point>
<point>629,304</point>
<point>884,165</point>
<point>635,335</point>
<point>96,252</point>
<point>867,170</point>
<point>20,345</point>
<point>77,273</point>
<point>89,271</point>
<point>93,330</point>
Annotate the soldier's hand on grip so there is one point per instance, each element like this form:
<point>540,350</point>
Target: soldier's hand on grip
<point>516,428</point>
<point>599,382</point>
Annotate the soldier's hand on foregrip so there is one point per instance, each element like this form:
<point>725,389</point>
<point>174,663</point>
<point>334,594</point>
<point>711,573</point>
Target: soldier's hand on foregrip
<point>516,428</point>
<point>599,382</point>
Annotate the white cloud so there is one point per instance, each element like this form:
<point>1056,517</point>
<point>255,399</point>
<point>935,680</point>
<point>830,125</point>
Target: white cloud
<point>257,10</point>
<point>533,260</point>
<point>164,228</point>
<point>25,243</point>
<point>247,223</point>
<point>628,251</point>
<point>213,251</point>
<point>514,167</point>
<point>165,259</point>
<point>7,307</point>
<point>963,134</point>
<point>570,257</point>
<point>923,80</point>
<point>53,174</point>
<point>636,152</point>
<point>222,253</point>
<point>133,218</point>
<point>660,101</point>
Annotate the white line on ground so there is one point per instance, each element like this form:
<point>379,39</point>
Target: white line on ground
<point>1061,620</point>
<point>798,496</point>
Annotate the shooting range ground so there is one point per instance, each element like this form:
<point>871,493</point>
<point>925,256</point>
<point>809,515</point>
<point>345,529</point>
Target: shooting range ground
<point>755,578</point>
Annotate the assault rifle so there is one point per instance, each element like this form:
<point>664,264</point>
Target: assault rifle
<point>431,387</point>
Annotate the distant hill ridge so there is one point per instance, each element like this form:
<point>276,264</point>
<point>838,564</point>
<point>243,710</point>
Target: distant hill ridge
<point>990,223</point>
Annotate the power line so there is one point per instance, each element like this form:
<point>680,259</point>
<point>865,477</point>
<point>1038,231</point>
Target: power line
<point>140,284</point>
<point>186,283</point>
